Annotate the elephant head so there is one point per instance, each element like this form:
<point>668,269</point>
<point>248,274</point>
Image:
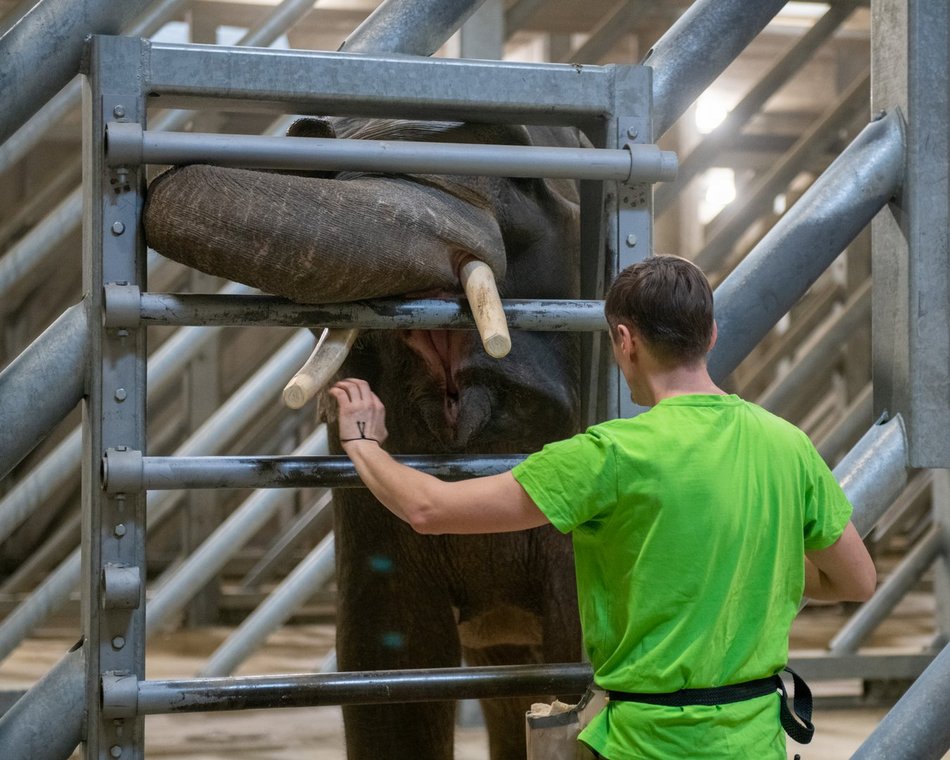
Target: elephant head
<point>320,238</point>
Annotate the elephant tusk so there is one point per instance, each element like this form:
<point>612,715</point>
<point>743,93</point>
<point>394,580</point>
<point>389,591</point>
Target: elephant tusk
<point>331,351</point>
<point>482,293</point>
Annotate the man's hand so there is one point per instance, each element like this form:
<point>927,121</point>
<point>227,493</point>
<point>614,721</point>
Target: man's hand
<point>362,414</point>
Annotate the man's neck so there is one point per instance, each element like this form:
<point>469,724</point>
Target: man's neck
<point>660,384</point>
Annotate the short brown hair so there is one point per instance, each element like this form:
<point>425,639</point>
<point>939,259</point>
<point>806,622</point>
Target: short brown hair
<point>669,302</point>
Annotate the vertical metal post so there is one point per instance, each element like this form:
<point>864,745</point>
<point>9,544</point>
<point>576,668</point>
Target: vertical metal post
<point>612,241</point>
<point>113,564</point>
<point>910,44</point>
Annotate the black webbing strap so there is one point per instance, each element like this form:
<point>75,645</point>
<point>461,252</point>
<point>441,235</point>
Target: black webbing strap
<point>739,692</point>
<point>801,704</point>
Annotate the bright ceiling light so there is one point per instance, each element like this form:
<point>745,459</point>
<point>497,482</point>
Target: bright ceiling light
<point>711,111</point>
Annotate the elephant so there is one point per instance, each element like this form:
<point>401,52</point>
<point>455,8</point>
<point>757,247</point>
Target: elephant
<point>407,600</point>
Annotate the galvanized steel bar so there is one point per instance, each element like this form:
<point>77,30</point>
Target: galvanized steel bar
<point>827,342</point>
<point>42,385</point>
<point>874,472</point>
<point>916,728</point>
<point>701,157</point>
<point>698,48</point>
<point>312,574</point>
<point>616,24</point>
<point>21,265</point>
<point>229,537</point>
<point>46,722</point>
<point>419,27</point>
<point>287,542</point>
<point>733,221</point>
<point>910,247</point>
<point>46,599</point>
<point>795,252</point>
<point>60,467</point>
<point>42,48</point>
<point>171,473</point>
<point>127,144</point>
<point>383,314</point>
<point>378,687</point>
<point>422,88</point>
<point>218,432</point>
<point>889,594</point>
<point>856,417</point>
<point>69,98</point>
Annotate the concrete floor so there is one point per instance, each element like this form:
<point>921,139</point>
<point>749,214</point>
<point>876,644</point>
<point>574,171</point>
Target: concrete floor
<point>316,733</point>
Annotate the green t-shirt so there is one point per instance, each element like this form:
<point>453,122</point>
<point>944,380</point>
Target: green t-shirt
<point>689,523</point>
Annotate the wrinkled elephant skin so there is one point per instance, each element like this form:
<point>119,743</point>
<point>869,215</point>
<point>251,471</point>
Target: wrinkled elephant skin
<point>405,600</point>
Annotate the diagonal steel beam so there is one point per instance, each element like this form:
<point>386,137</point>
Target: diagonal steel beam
<point>417,27</point>
<point>620,21</point>
<point>698,48</point>
<point>42,48</point>
<point>731,223</point>
<point>703,155</point>
<point>42,385</point>
<point>811,235</point>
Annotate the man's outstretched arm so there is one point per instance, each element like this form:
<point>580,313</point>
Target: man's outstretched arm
<point>493,504</point>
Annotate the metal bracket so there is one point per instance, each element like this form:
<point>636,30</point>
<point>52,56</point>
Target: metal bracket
<point>122,470</point>
<point>120,694</point>
<point>649,161</point>
<point>122,305</point>
<point>121,587</point>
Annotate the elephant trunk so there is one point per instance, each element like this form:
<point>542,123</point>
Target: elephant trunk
<point>322,240</point>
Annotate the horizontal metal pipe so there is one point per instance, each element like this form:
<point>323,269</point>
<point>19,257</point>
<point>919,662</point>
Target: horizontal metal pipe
<point>383,314</point>
<point>698,48</point>
<point>60,468</point>
<point>171,473</point>
<point>889,594</point>
<point>42,385</point>
<point>354,85</point>
<point>216,433</point>
<point>795,252</point>
<point>874,472</point>
<point>312,574</point>
<point>917,726</point>
<point>379,687</point>
<point>207,560</point>
<point>127,144</point>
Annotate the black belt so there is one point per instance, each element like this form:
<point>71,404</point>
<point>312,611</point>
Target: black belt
<point>739,692</point>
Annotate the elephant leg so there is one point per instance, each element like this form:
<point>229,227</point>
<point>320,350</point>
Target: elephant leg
<point>392,614</point>
<point>505,718</point>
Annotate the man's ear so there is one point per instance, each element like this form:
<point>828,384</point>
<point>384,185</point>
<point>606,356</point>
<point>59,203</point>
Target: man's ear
<point>715,336</point>
<point>625,339</point>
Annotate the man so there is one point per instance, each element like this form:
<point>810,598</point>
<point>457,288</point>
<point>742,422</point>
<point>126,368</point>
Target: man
<point>697,526</point>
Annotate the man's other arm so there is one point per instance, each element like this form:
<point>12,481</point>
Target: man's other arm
<point>841,572</point>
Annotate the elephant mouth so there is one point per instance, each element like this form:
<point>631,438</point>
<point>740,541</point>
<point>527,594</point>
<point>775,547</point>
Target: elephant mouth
<point>443,353</point>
